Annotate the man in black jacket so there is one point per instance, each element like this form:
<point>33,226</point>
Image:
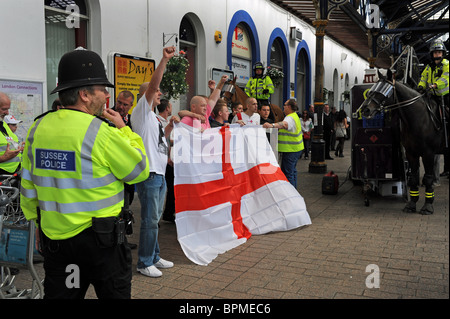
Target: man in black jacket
<point>328,128</point>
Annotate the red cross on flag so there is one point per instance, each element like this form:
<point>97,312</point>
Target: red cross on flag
<point>228,186</point>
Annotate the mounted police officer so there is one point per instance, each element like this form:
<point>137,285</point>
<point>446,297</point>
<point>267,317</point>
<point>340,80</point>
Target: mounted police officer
<point>74,168</point>
<point>435,76</point>
<point>260,86</point>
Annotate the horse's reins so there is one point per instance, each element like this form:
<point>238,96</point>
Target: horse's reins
<point>399,105</point>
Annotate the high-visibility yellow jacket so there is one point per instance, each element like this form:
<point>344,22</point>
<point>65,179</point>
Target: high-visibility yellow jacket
<point>256,86</point>
<point>436,74</point>
<point>12,164</point>
<point>288,141</point>
<point>74,168</point>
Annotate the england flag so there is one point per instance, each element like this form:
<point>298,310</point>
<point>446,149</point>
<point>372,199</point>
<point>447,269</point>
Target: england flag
<point>228,186</point>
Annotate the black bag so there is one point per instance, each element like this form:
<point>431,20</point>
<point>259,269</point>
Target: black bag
<point>330,184</point>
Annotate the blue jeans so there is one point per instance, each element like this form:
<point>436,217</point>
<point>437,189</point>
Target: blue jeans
<point>289,166</point>
<point>151,194</point>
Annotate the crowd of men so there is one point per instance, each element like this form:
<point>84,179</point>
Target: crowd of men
<point>80,157</point>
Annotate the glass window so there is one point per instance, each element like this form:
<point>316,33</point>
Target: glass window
<point>62,35</point>
<point>187,32</point>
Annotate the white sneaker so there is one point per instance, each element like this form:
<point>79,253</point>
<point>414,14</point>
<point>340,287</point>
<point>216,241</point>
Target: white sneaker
<point>162,263</point>
<point>151,271</point>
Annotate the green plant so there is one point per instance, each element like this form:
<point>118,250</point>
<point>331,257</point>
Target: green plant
<point>275,75</point>
<point>173,83</point>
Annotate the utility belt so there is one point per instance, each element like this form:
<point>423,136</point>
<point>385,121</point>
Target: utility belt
<point>108,232</point>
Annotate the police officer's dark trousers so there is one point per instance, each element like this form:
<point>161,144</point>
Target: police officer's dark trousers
<point>71,265</point>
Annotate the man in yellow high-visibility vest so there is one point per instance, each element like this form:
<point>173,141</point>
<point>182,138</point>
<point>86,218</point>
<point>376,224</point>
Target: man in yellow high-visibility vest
<point>74,168</point>
<point>290,140</point>
<point>10,149</point>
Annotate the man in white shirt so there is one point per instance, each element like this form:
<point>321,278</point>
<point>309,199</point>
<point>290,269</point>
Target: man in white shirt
<point>152,191</point>
<point>250,115</point>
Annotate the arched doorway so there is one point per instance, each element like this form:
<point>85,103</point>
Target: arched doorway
<point>303,76</point>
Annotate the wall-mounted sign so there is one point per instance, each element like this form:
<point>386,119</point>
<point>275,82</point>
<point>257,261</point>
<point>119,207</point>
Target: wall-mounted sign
<point>216,74</point>
<point>129,73</point>
<point>241,44</point>
<point>242,69</point>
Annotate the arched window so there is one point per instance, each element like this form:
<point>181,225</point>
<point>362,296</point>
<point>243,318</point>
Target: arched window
<point>65,29</point>
<point>276,62</point>
<point>188,43</point>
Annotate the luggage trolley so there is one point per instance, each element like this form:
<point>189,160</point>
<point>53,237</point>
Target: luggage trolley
<point>377,155</point>
<point>16,243</point>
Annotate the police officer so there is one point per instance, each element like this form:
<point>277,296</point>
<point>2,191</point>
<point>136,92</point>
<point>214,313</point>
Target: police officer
<point>10,148</point>
<point>74,168</point>
<point>435,76</point>
<point>260,86</point>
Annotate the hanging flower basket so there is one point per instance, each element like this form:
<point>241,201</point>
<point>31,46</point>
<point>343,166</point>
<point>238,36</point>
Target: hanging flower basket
<point>173,83</point>
<point>275,75</point>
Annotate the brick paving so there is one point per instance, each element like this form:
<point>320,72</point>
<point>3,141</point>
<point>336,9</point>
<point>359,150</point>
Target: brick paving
<point>327,259</point>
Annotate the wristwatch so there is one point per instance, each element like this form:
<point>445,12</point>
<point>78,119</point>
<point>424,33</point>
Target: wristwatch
<point>273,125</point>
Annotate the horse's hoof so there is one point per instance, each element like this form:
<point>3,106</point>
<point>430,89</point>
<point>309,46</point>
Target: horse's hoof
<point>410,208</point>
<point>427,209</point>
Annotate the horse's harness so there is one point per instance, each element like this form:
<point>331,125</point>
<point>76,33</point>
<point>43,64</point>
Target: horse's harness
<point>387,90</point>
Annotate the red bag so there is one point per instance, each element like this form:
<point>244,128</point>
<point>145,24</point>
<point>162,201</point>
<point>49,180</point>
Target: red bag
<point>307,135</point>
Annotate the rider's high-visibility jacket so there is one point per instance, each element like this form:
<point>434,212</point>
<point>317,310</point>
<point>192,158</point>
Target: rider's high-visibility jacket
<point>7,136</point>
<point>438,74</point>
<point>74,168</point>
<point>291,141</point>
<point>256,86</point>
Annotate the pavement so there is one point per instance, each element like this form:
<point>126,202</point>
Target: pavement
<point>350,251</point>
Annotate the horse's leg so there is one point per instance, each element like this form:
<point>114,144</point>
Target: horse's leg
<point>413,185</point>
<point>428,164</point>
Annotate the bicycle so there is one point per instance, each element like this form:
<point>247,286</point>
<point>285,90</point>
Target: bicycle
<point>15,233</point>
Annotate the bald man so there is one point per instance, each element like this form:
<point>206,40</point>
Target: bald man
<point>199,114</point>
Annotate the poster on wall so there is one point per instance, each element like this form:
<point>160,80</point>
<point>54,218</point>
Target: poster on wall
<point>129,73</point>
<point>26,102</point>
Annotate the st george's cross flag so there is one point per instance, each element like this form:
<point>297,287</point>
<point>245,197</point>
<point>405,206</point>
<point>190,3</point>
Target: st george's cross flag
<point>228,186</point>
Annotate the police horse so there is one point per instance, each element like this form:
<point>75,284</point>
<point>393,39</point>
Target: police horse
<point>421,132</point>
<point>233,93</point>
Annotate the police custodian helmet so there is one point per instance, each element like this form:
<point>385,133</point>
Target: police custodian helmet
<point>80,67</point>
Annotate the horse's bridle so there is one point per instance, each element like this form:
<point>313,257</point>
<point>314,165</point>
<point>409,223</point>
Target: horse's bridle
<point>230,89</point>
<point>387,89</point>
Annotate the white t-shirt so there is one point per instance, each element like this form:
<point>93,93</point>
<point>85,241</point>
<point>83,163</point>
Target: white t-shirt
<point>292,127</point>
<point>149,128</point>
<point>253,120</point>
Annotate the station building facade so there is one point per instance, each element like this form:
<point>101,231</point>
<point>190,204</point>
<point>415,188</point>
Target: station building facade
<point>229,35</point>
